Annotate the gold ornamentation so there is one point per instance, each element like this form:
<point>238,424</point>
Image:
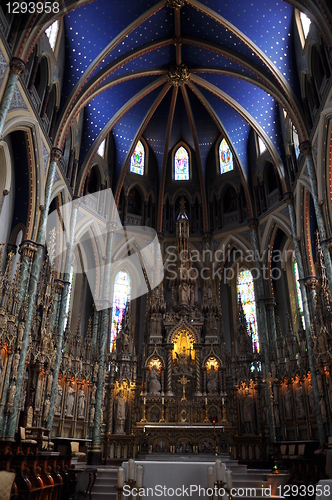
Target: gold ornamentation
<point>175,4</point>
<point>178,75</point>
<point>288,197</point>
<point>56,154</point>
<point>305,148</point>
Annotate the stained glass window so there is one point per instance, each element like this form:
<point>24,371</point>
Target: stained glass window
<point>305,21</point>
<point>101,149</point>
<point>181,164</point>
<point>137,159</point>
<point>261,146</point>
<point>298,291</point>
<point>246,291</point>
<point>296,142</point>
<point>52,34</point>
<point>225,157</point>
<point>121,294</point>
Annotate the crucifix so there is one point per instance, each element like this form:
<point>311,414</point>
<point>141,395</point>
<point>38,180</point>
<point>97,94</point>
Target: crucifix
<point>269,380</point>
<point>183,381</point>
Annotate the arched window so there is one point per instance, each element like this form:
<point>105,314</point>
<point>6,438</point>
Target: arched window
<point>298,292</point>
<point>121,295</point>
<point>181,164</point>
<point>137,159</point>
<point>101,149</point>
<point>305,23</point>
<point>246,292</point>
<point>52,34</point>
<point>225,157</point>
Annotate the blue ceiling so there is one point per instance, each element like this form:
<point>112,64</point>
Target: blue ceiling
<point>206,44</point>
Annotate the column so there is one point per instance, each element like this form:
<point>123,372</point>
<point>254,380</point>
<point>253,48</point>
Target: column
<point>270,305</point>
<point>73,178</point>
<point>95,324</point>
<point>169,391</point>
<point>17,67</point>
<point>62,309</point>
<point>262,321</point>
<point>305,148</point>
<point>27,251</point>
<point>104,325</point>
<point>289,200</point>
<point>198,369</point>
<point>35,269</point>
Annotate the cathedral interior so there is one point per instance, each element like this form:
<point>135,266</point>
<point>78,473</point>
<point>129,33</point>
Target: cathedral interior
<point>199,132</point>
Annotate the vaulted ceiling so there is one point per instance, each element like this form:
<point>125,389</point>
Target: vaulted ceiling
<point>233,63</point>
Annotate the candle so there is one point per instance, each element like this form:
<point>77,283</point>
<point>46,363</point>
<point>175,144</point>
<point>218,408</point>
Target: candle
<point>223,472</point>
<point>131,469</point>
<point>223,401</point>
<point>218,470</point>
<point>206,401</point>
<point>139,476</point>
<point>120,477</point>
<point>229,479</point>
<point>210,476</point>
<point>163,400</point>
<point>144,400</point>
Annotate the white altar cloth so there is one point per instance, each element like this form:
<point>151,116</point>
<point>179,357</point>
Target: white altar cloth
<point>172,475</point>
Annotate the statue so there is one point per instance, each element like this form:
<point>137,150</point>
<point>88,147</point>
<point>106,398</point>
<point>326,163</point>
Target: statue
<point>70,400</point>
<point>248,412</point>
<point>323,410</point>
<point>183,363</point>
<point>154,384</point>
<point>192,296</point>
<point>93,394</point>
<point>276,416</point>
<point>212,381</point>
<point>92,414</point>
<point>95,371</point>
<point>30,416</point>
<point>38,393</point>
<point>58,401</point>
<point>299,401</point>
<point>120,414</point>
<point>49,384</point>
<point>288,403</point>
<point>16,360</point>
<point>11,395</point>
<point>81,403</point>
<point>47,408</point>
<point>183,293</point>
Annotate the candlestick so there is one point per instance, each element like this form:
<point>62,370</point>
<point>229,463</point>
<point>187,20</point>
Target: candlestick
<point>131,469</point>
<point>119,490</point>
<point>210,472</point>
<point>139,476</point>
<point>120,477</point>
<point>223,472</point>
<point>218,470</point>
<point>229,479</point>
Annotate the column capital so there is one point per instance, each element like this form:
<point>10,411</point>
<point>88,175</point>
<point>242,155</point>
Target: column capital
<point>175,4</point>
<point>311,282</point>
<point>288,198</point>
<point>56,154</point>
<point>253,223</point>
<point>17,66</point>
<point>305,148</point>
<point>58,286</point>
<point>28,248</point>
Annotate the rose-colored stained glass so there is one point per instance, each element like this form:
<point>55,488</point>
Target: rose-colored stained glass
<point>225,157</point>
<point>137,159</point>
<point>181,164</point>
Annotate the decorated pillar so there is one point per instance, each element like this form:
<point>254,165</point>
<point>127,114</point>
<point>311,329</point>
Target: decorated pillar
<point>289,200</point>
<point>270,305</point>
<point>27,251</point>
<point>104,326</point>
<point>262,320</point>
<point>305,148</point>
<point>169,391</point>
<point>311,283</point>
<point>198,370</point>
<point>17,67</point>
<point>35,269</point>
<point>62,310</point>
